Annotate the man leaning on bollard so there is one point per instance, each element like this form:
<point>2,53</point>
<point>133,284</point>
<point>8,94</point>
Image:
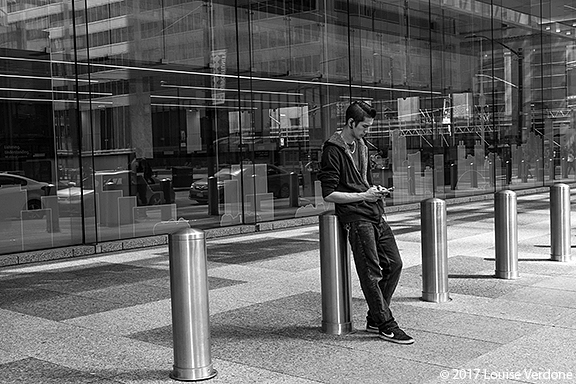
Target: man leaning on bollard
<point>347,182</point>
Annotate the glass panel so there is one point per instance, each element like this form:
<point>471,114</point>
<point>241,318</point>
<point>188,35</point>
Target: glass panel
<point>282,130</point>
<point>34,90</point>
<point>136,118</point>
<point>554,109</point>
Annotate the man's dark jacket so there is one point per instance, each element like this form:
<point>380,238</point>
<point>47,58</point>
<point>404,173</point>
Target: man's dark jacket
<point>339,173</point>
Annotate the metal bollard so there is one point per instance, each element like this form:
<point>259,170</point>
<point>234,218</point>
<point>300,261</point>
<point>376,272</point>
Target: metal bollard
<point>560,226</point>
<point>294,189</point>
<point>524,171</point>
<point>508,165</point>
<point>434,251</point>
<point>474,176</point>
<point>453,177</point>
<point>539,170</point>
<point>506,231</point>
<point>190,315</point>
<point>551,169</point>
<point>334,276</point>
<point>411,180</point>
<point>213,196</point>
<point>166,190</point>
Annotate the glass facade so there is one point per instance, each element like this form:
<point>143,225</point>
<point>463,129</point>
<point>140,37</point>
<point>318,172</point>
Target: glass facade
<point>127,118</point>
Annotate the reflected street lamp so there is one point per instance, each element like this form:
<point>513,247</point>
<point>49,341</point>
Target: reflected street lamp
<point>520,56</point>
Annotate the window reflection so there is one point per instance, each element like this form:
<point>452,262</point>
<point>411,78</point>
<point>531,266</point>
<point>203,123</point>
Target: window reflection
<point>229,105</point>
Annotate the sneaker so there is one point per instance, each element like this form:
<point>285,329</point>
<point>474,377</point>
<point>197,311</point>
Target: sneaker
<point>395,335</point>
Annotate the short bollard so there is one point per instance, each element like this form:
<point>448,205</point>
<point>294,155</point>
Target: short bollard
<point>166,190</point>
<point>453,177</point>
<point>506,234</point>
<point>334,276</point>
<point>190,315</point>
<point>411,180</point>
<point>294,189</point>
<point>434,251</point>
<point>524,171</point>
<point>213,196</point>
<point>560,223</point>
<point>474,175</point>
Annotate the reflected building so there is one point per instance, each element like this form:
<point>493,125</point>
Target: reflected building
<point>472,97</point>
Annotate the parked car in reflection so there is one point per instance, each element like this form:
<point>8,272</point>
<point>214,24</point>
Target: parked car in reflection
<point>34,192</point>
<point>278,183</point>
<point>127,182</point>
<point>69,199</point>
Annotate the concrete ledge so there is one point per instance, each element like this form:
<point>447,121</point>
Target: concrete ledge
<point>8,260</point>
<point>45,255</point>
<point>83,250</point>
<point>153,241</point>
<point>108,247</point>
<point>142,242</point>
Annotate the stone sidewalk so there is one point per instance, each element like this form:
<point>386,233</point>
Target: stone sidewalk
<point>106,318</point>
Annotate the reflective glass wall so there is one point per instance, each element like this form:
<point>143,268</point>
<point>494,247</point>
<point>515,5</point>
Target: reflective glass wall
<point>125,118</point>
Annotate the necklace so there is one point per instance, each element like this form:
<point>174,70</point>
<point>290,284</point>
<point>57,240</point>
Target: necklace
<point>352,147</point>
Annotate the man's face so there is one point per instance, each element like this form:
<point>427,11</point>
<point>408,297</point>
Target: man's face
<point>361,129</point>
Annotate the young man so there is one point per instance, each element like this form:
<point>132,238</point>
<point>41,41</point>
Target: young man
<point>347,182</point>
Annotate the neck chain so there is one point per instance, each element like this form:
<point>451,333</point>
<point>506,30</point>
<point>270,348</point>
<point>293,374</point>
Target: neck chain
<point>352,147</point>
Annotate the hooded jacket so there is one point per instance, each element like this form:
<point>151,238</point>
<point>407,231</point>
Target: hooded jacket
<point>339,173</point>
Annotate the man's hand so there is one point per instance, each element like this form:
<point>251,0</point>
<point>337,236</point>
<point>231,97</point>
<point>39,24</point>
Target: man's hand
<point>375,193</point>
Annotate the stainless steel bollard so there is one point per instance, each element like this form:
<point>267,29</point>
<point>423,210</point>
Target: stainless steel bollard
<point>506,234</point>
<point>334,276</point>
<point>434,251</point>
<point>213,196</point>
<point>190,316</point>
<point>166,190</point>
<point>411,180</point>
<point>294,190</point>
<point>474,175</point>
<point>560,225</point>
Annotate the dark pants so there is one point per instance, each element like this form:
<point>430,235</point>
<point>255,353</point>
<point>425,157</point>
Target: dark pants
<point>378,265</point>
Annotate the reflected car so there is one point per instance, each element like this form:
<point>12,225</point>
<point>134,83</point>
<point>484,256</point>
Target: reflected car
<point>278,183</point>
<point>69,198</point>
<point>34,192</point>
<point>114,181</point>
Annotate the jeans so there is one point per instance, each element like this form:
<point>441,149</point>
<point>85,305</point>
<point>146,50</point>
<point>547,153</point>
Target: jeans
<point>378,265</point>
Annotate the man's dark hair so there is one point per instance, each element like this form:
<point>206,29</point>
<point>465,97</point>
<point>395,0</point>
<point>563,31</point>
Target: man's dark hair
<point>358,111</point>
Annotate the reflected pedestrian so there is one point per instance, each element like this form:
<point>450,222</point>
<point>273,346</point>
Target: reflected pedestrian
<point>570,162</point>
<point>142,177</point>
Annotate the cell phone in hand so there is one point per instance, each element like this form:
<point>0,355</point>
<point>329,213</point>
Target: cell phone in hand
<point>382,189</point>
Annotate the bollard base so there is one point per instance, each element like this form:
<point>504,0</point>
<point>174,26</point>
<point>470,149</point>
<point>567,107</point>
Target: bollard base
<point>193,374</point>
<point>336,328</point>
<point>563,258</point>
<point>510,275</point>
<point>435,297</point>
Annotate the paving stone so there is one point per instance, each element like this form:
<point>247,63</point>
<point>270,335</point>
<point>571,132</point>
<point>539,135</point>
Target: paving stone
<point>34,371</point>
